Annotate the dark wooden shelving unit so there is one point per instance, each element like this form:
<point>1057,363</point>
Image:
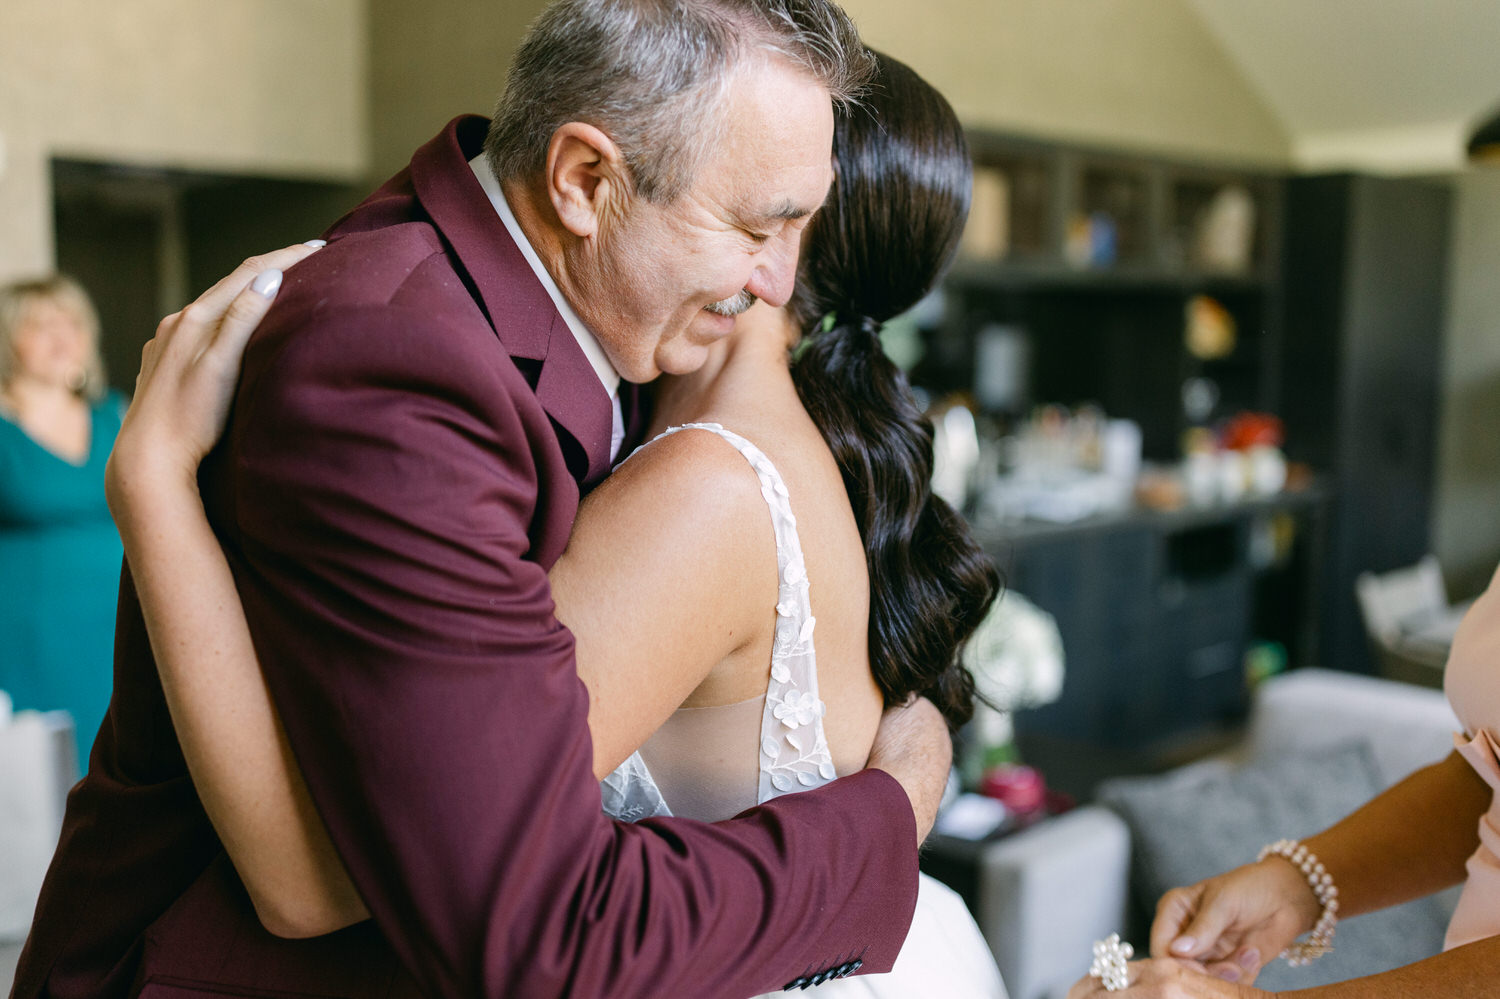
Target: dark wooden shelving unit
<point>1158,610</point>
<point>1096,264</point>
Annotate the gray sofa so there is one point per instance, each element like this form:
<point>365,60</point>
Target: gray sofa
<point>1318,744</point>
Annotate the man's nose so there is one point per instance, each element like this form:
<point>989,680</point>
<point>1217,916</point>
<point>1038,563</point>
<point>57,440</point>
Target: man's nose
<point>775,272</point>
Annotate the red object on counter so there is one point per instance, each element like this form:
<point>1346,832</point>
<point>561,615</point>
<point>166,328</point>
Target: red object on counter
<point>1247,430</point>
<point>1017,786</point>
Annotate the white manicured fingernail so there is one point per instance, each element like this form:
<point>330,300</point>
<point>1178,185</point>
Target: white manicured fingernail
<point>316,244</point>
<point>267,283</point>
<point>1183,945</point>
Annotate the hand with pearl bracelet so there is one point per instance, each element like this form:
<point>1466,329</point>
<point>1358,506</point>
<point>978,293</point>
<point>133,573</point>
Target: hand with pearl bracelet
<point>1236,923</point>
<point>1211,939</point>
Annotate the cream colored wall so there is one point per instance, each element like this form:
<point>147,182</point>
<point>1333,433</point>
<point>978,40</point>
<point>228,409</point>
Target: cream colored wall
<point>1466,514</point>
<point>1143,74</point>
<point>268,87</point>
<point>433,59</point>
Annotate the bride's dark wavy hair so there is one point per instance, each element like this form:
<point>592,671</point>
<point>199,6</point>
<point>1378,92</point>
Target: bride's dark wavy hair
<point>880,243</point>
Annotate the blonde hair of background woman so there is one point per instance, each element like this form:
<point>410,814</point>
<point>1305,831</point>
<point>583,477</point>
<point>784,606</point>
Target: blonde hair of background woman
<point>59,289</point>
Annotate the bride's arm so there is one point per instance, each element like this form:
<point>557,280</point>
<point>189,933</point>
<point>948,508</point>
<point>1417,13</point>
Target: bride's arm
<point>231,738</point>
<point>644,589</point>
<point>234,745</point>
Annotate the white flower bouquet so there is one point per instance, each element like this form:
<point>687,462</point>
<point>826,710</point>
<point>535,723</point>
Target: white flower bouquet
<point>1016,658</point>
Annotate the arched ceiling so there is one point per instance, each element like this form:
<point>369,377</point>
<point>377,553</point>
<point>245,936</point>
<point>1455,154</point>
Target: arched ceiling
<point>1367,82</point>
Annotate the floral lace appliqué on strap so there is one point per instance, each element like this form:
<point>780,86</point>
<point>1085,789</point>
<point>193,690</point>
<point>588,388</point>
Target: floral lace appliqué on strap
<point>794,752</point>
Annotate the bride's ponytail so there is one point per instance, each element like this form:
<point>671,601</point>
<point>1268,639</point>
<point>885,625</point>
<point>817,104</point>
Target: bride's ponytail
<point>880,243</point>
<point>930,585</point>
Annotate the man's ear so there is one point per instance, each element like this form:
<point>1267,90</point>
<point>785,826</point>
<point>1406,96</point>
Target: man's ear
<point>586,177</point>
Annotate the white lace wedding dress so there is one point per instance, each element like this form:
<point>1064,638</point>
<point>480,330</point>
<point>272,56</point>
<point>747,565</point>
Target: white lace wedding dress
<point>785,751</point>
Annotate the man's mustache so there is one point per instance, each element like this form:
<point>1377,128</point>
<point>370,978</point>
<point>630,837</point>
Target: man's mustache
<point>733,305</point>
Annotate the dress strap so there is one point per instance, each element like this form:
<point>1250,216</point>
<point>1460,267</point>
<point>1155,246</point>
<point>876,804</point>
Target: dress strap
<point>794,753</point>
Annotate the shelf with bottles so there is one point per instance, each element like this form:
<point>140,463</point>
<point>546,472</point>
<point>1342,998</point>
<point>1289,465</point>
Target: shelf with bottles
<point>1110,217</point>
<point>1131,349</point>
<point>1011,215</point>
<point>1219,225</point>
<point>1049,214</point>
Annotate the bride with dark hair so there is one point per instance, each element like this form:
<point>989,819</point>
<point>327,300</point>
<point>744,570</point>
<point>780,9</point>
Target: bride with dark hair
<point>859,597</point>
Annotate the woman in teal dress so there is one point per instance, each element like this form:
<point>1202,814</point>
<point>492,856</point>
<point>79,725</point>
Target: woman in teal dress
<point>59,553</point>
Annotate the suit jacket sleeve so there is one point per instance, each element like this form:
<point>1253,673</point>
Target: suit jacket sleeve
<point>381,479</point>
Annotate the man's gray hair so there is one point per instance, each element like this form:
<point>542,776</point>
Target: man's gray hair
<point>653,75</point>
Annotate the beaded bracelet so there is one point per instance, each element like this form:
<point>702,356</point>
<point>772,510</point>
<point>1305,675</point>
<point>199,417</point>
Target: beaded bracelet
<point>1320,940</point>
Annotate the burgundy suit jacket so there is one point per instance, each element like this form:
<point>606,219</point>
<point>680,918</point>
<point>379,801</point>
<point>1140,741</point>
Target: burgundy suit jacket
<point>403,464</point>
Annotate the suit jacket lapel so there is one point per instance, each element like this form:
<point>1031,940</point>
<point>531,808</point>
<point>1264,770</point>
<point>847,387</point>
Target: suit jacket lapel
<point>518,307</point>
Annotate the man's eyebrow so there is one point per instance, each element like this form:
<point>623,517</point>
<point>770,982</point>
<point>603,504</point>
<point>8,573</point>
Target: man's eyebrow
<point>783,212</point>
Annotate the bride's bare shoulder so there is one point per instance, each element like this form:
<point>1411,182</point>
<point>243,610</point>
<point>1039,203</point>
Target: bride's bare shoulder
<point>690,462</point>
<point>690,490</point>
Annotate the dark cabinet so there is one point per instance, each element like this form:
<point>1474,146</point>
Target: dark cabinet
<point>1156,612</point>
<point>1364,290</point>
<point>1095,583</point>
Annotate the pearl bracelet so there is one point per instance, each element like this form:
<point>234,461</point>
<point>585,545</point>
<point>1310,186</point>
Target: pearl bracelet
<point>1320,940</point>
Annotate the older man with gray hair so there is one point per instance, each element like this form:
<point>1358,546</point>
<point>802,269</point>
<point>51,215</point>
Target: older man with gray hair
<point>416,421</point>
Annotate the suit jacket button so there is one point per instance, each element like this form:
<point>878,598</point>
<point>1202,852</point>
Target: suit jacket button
<point>823,976</point>
<point>796,983</point>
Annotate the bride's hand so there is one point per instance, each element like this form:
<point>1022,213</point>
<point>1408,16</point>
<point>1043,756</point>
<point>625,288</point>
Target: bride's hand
<point>187,378</point>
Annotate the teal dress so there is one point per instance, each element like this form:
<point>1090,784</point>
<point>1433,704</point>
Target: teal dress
<point>60,562</point>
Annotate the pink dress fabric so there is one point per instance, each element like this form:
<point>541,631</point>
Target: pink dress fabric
<point>1472,683</point>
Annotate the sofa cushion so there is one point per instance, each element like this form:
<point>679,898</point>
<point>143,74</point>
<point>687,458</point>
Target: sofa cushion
<point>1407,727</point>
<point>1206,818</point>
